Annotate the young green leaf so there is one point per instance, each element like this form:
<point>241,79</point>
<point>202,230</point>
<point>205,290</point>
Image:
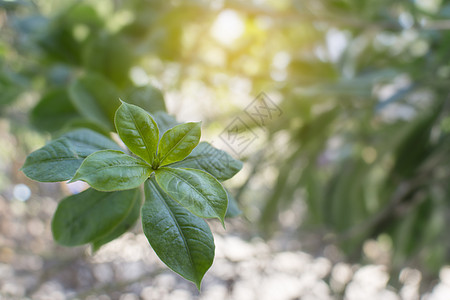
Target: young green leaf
<point>138,131</point>
<point>181,240</point>
<point>110,170</point>
<point>177,142</point>
<point>196,190</point>
<point>216,162</point>
<point>92,215</point>
<point>60,159</point>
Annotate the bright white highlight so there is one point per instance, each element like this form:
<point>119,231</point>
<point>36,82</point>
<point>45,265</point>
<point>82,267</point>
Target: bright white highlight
<point>228,27</point>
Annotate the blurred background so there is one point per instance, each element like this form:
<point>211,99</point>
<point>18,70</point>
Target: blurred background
<point>338,108</point>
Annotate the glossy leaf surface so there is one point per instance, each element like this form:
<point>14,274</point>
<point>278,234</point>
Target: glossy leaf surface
<point>138,131</point>
<point>111,170</point>
<point>196,190</point>
<point>181,240</point>
<point>59,159</point>
<point>216,162</point>
<point>177,142</point>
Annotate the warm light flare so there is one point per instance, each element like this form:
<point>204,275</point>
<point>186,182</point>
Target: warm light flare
<point>228,27</point>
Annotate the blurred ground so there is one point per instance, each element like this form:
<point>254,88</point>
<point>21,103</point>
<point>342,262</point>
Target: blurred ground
<point>33,267</point>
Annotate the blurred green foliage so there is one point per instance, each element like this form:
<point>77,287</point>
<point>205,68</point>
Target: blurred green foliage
<point>363,88</point>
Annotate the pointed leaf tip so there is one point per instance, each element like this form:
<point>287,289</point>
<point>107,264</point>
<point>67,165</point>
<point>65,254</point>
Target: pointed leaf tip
<point>138,130</point>
<point>181,240</point>
<point>178,142</point>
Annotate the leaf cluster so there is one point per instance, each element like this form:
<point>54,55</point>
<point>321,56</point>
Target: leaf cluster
<point>181,187</point>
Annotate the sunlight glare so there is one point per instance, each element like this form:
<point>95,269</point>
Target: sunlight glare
<point>228,27</point>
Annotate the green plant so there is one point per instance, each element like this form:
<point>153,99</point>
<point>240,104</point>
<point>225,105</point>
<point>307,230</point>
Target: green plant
<point>181,187</point>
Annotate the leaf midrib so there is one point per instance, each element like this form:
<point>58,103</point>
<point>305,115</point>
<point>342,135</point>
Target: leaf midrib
<point>142,136</point>
<point>178,227</point>
<point>175,146</point>
<point>99,200</point>
<point>144,166</point>
<point>198,192</point>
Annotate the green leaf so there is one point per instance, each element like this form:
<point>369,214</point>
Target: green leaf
<point>196,190</point>
<point>181,240</point>
<point>60,159</point>
<point>95,98</point>
<point>164,121</point>
<point>111,170</point>
<point>147,97</point>
<point>53,111</point>
<point>138,131</point>
<point>233,208</point>
<point>79,123</point>
<point>216,162</point>
<point>177,142</point>
<point>123,226</point>
<point>92,215</point>
<point>115,60</point>
<point>86,141</point>
<point>11,86</point>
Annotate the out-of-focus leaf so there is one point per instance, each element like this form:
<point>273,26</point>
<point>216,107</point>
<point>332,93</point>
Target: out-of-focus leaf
<point>95,98</point>
<point>164,121</point>
<point>81,13</point>
<point>93,216</point>
<point>82,123</point>
<point>109,55</point>
<point>147,97</point>
<point>233,208</point>
<point>53,111</point>
<point>414,146</point>
<point>11,87</point>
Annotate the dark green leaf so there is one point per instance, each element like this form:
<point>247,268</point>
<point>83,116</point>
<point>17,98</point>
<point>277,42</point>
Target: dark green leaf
<point>138,131</point>
<point>111,170</point>
<point>181,240</point>
<point>233,208</point>
<point>164,121</point>
<point>196,190</point>
<point>147,97</point>
<point>216,162</point>
<point>53,111</point>
<point>82,123</point>
<point>177,142</point>
<point>93,216</point>
<point>11,86</point>
<point>123,226</point>
<point>110,56</point>
<point>95,98</point>
<point>59,159</point>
